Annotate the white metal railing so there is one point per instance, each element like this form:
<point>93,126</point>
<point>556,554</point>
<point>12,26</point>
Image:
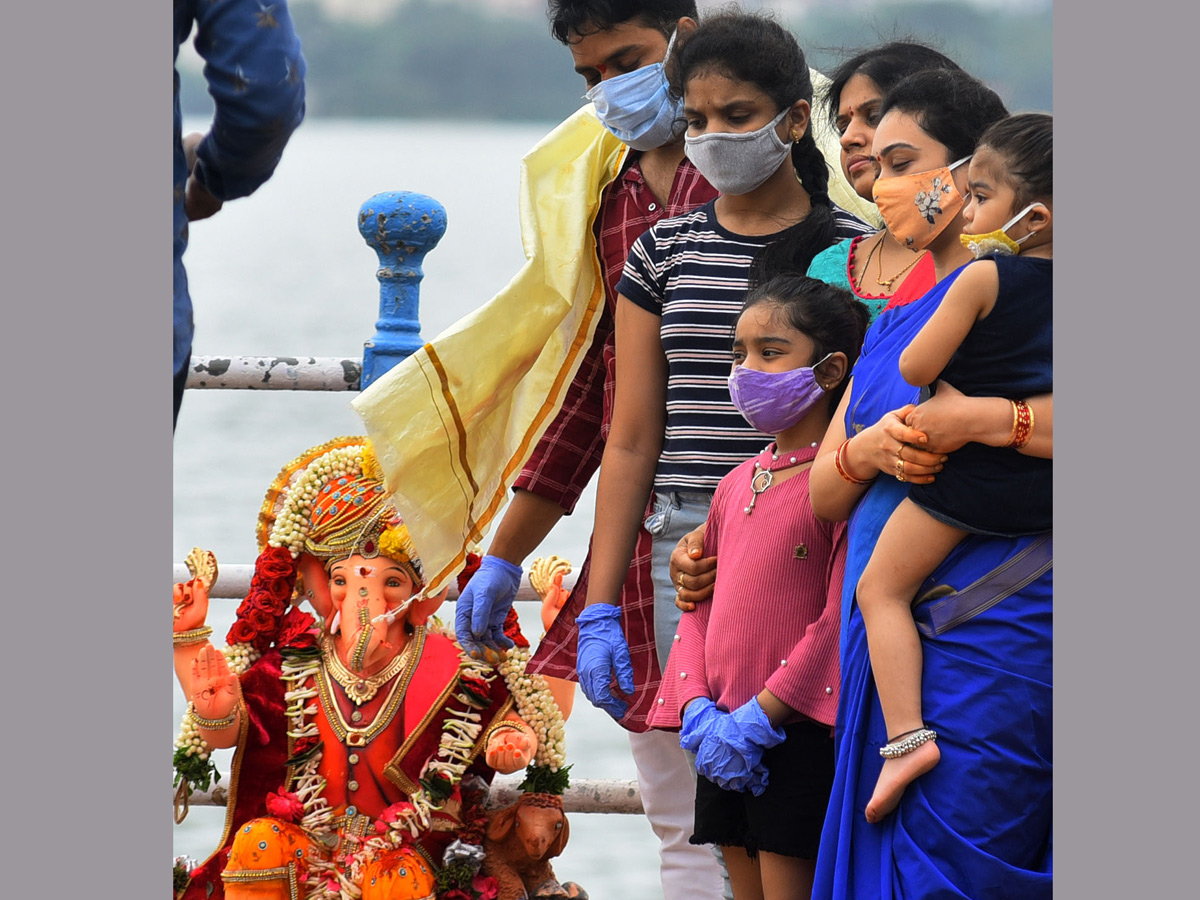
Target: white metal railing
<point>275,373</point>
<point>585,795</point>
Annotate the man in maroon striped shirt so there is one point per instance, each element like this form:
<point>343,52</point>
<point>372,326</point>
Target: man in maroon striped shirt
<point>607,40</point>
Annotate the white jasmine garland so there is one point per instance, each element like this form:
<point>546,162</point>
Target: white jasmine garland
<point>291,524</point>
<point>537,706</point>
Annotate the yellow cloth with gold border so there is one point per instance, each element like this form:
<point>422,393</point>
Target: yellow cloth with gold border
<point>453,423</point>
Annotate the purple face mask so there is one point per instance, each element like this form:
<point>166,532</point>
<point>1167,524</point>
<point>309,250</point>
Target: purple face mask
<point>775,401</point>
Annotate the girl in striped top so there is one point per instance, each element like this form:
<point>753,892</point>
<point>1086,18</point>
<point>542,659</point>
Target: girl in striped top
<point>675,432</point>
<point>755,672</point>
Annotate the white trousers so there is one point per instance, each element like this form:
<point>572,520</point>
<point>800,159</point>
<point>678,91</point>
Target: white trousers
<point>668,784</point>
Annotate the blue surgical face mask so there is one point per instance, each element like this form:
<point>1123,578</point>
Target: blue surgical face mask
<point>638,107</point>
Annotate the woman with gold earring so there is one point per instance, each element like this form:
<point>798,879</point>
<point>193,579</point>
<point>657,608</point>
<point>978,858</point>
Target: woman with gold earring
<point>876,268</point>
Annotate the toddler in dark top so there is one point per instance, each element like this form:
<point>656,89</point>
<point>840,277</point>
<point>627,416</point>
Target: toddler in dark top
<point>991,337</point>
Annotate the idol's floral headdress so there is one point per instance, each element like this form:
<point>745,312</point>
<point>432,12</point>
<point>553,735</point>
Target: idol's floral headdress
<point>330,501</point>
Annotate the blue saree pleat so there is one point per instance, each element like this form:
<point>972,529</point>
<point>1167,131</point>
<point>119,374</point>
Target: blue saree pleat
<point>977,827</point>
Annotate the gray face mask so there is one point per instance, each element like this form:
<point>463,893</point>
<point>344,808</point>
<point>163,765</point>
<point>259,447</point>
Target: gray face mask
<point>738,163</point>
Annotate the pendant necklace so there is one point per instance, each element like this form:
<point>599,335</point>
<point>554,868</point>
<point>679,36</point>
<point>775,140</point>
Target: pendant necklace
<point>764,475</point>
<point>887,283</point>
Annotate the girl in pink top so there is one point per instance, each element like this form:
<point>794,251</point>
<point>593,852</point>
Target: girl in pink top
<point>752,676</point>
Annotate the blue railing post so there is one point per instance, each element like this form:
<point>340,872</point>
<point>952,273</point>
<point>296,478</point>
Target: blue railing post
<point>402,227</point>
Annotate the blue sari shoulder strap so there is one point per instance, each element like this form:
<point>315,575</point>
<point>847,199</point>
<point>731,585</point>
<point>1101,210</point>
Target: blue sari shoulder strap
<point>941,608</point>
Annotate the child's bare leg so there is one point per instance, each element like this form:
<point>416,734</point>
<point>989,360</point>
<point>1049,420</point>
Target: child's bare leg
<point>786,877</point>
<point>911,546</point>
<point>744,877</point>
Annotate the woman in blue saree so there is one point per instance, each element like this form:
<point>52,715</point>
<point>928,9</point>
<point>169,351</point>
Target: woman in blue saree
<point>978,825</point>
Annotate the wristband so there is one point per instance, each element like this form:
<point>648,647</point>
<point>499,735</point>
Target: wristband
<point>1022,427</point>
<point>841,467</point>
<point>193,636</point>
<point>213,724</point>
<point>505,725</point>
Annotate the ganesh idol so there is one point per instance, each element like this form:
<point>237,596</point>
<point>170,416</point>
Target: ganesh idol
<point>360,728</point>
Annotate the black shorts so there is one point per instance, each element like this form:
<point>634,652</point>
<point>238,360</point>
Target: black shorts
<point>788,817</point>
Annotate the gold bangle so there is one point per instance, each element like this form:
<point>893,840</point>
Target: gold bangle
<point>213,724</point>
<point>502,725</point>
<point>193,636</point>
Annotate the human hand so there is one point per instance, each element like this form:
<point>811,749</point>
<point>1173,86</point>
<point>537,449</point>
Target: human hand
<point>214,687</point>
<point>692,573</point>
<point>698,716</point>
<point>731,750</point>
<point>892,448</point>
<point>510,750</point>
<point>198,203</point>
<point>950,418</point>
<point>189,602</point>
<point>483,606</point>
<point>602,652</point>
<point>190,143</point>
<point>553,602</point>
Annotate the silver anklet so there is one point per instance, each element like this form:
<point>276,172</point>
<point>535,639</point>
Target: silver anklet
<point>908,744</point>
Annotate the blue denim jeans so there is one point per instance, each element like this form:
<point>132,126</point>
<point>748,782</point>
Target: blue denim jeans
<point>674,514</point>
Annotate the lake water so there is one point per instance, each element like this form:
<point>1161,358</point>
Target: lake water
<point>286,272</point>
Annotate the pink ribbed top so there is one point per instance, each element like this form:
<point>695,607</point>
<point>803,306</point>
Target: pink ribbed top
<point>774,617</point>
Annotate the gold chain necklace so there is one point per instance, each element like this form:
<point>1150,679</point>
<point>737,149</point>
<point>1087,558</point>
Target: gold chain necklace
<point>360,688</point>
<point>355,736</point>
<point>887,285</point>
<point>867,262</point>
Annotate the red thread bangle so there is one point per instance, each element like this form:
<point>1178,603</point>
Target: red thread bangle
<point>841,469</point>
<point>1022,429</point>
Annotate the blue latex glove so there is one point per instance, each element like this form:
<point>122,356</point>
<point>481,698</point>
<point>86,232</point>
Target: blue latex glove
<point>697,718</point>
<point>484,604</point>
<point>603,651</point>
<point>731,749</point>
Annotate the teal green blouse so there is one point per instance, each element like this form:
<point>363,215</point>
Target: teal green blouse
<point>832,265</point>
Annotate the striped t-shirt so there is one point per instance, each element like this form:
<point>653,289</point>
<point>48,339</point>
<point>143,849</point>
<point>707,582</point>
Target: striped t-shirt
<point>694,273</point>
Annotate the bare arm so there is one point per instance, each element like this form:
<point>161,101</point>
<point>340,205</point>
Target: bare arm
<point>969,299</point>
<point>632,450</point>
<point>527,521</point>
<point>950,419</point>
<point>777,711</point>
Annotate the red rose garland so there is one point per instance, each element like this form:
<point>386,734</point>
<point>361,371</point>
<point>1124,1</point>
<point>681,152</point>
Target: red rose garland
<point>472,566</point>
<point>259,615</point>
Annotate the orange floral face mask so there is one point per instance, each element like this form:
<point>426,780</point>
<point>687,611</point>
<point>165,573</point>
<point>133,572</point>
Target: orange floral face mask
<point>917,207</point>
